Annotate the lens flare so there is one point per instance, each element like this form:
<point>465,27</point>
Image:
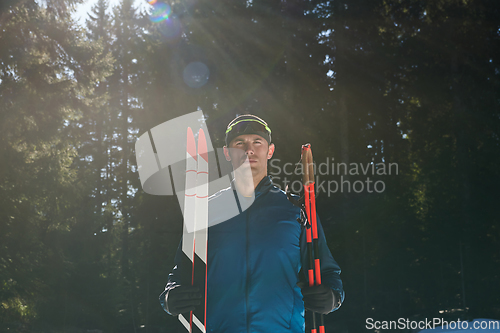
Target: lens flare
<point>171,28</point>
<point>196,74</point>
<point>161,11</point>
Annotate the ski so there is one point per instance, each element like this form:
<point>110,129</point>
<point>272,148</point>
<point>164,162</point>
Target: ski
<point>195,229</point>
<point>201,230</point>
<point>314,269</point>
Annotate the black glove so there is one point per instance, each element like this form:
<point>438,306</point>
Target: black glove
<point>182,299</point>
<point>319,299</point>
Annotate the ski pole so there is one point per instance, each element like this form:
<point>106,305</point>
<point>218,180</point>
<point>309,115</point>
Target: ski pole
<point>314,271</point>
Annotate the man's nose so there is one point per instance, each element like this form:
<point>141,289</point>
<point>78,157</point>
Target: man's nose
<point>248,149</point>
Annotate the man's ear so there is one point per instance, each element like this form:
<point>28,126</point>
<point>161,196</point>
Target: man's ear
<point>270,151</point>
<point>226,154</point>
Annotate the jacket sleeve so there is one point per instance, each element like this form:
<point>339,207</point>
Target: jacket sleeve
<point>330,270</point>
<point>174,278</point>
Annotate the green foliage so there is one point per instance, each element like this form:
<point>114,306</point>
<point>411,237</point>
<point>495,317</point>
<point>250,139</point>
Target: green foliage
<point>47,70</point>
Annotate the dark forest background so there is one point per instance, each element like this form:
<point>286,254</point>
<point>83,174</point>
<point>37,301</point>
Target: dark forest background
<point>412,82</point>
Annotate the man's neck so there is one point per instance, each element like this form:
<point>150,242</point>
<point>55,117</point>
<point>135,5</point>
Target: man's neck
<point>246,185</point>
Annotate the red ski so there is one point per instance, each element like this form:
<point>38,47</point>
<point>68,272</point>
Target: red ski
<point>195,231</point>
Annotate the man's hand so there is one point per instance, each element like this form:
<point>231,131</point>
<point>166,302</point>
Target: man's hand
<point>183,299</point>
<point>319,299</point>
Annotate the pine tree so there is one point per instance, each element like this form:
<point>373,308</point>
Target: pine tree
<point>47,73</point>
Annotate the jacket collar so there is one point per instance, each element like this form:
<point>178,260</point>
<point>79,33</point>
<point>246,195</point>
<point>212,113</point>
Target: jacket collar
<point>263,187</point>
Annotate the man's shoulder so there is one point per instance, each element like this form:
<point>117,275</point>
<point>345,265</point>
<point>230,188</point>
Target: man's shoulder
<point>274,195</point>
<point>222,206</point>
<point>280,198</point>
<point>221,193</point>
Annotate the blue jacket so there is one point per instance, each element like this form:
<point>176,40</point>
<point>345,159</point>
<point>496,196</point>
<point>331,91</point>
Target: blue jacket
<point>253,263</point>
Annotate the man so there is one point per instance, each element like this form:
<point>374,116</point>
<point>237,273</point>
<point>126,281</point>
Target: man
<point>254,258</point>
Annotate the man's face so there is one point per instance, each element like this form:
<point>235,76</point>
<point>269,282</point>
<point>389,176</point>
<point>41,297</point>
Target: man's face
<point>251,146</point>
